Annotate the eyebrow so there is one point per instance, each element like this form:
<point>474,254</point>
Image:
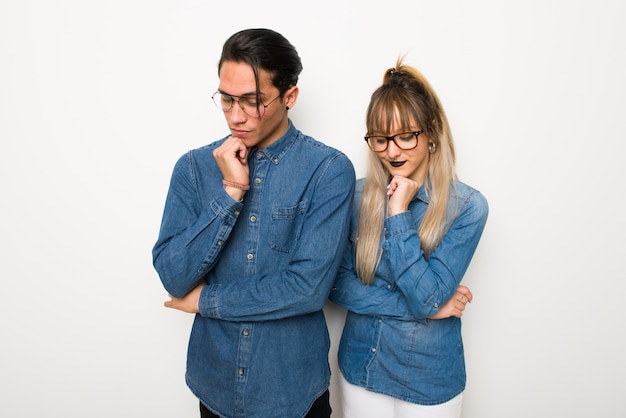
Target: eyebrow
<point>242,95</point>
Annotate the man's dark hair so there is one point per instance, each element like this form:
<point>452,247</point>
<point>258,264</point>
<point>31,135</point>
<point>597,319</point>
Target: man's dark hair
<point>267,50</point>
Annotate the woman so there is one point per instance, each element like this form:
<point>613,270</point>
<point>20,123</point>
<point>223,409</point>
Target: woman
<point>414,232</point>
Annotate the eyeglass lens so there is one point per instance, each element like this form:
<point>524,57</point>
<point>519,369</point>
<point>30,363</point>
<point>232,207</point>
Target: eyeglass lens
<point>249,105</point>
<point>404,141</point>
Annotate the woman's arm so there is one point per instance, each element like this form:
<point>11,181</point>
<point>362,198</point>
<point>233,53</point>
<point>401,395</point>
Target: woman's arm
<point>429,283</point>
<point>383,299</point>
<point>379,299</point>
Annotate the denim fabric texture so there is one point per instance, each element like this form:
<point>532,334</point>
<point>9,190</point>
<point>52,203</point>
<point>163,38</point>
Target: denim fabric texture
<point>388,343</point>
<point>259,346</point>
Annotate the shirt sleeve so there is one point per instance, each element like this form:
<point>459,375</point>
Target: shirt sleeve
<point>429,283</point>
<point>377,299</point>
<point>304,284</point>
<point>191,234</point>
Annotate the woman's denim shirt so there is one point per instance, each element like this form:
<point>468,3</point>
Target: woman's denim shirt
<point>259,346</point>
<point>388,343</point>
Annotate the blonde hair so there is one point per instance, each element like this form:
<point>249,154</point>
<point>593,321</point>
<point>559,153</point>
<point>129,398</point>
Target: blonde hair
<point>406,94</point>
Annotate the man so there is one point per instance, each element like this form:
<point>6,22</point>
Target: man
<point>249,242</point>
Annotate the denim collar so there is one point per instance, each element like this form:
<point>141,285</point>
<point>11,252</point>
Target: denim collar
<point>422,195</point>
<point>275,151</point>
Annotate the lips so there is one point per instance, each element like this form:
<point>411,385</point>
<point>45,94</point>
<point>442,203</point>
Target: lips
<point>397,164</point>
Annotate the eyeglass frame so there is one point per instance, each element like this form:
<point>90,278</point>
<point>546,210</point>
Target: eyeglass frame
<point>393,138</point>
<point>238,98</point>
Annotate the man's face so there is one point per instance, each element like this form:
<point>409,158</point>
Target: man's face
<point>237,80</point>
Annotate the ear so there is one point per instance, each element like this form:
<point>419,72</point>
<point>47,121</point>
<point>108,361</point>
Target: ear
<point>291,96</point>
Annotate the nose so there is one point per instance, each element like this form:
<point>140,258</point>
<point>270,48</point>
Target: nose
<point>236,113</point>
<point>393,150</point>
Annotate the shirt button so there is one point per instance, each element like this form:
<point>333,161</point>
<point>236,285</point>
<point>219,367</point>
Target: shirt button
<point>219,243</point>
<point>373,349</point>
<point>275,160</point>
<point>436,304</point>
<point>246,332</point>
<point>250,256</point>
<point>257,180</point>
<point>240,371</point>
<point>253,219</point>
<point>237,212</point>
<point>261,154</point>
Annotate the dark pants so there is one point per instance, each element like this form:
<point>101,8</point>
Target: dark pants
<point>319,409</point>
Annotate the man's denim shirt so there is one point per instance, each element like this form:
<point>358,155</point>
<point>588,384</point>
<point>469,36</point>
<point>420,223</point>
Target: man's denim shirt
<point>388,345</point>
<point>259,346</point>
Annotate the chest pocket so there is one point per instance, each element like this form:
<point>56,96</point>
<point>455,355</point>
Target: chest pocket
<point>286,227</point>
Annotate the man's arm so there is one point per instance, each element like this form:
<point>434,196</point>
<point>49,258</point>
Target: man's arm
<point>192,234</point>
<point>304,284</point>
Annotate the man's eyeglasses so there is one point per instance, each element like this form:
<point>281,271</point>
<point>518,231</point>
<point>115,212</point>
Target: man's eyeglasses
<point>404,141</point>
<point>248,104</point>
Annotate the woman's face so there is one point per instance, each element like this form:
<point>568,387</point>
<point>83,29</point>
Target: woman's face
<point>412,163</point>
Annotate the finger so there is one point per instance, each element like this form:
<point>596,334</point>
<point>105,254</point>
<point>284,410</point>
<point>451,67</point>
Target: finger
<point>465,292</point>
<point>460,302</point>
<point>242,155</point>
<point>236,146</point>
<point>231,146</point>
<point>462,289</point>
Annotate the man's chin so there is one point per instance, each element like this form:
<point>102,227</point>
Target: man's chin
<point>248,141</point>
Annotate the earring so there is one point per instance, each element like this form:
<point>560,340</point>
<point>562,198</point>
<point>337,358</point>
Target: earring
<point>286,107</point>
<point>431,147</point>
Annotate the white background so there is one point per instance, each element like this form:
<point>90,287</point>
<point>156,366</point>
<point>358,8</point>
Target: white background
<point>99,99</point>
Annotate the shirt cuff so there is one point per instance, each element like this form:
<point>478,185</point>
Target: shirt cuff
<point>399,224</point>
<point>208,305</point>
<point>226,207</point>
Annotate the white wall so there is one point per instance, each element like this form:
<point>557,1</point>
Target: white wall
<point>98,100</point>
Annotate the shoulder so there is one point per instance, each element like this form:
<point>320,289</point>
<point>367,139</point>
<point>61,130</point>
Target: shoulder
<point>469,199</point>
<point>318,147</point>
<point>205,150</point>
<point>201,153</point>
<point>356,201</point>
<point>467,192</point>
<point>312,150</point>
<point>197,160</point>
<point>358,188</point>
